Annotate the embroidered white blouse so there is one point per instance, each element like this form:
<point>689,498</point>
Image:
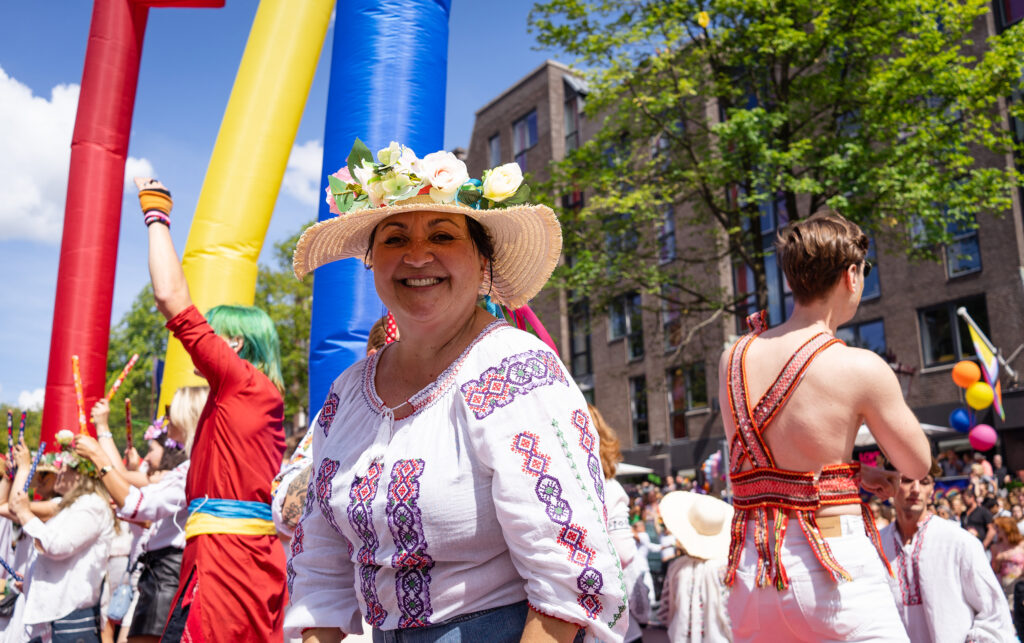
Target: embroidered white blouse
<point>163,504</point>
<point>948,591</point>
<point>489,493</point>
<point>69,569</point>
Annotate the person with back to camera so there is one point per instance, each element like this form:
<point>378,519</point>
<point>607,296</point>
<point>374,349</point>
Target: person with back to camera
<point>456,492</point>
<point>805,561</point>
<point>232,585</point>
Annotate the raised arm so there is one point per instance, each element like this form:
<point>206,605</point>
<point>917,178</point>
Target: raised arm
<point>881,404</point>
<point>169,286</point>
<point>113,480</point>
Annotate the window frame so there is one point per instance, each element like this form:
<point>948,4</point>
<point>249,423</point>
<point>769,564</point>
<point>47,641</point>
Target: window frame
<point>958,339</point>
<point>856,327</point>
<point>518,153</point>
<point>492,142</point>
<point>636,418</point>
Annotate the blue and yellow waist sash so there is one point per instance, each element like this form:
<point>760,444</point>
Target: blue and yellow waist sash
<point>220,516</point>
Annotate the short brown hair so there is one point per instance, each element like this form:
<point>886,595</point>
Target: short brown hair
<point>611,455</point>
<point>815,252</point>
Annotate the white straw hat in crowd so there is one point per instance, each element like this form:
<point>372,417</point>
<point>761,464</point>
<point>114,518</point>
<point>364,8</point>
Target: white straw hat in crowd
<point>700,523</point>
<point>527,239</point>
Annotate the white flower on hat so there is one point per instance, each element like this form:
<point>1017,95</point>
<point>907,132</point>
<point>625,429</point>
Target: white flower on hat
<point>65,437</point>
<point>502,182</point>
<point>445,173</point>
<point>402,158</point>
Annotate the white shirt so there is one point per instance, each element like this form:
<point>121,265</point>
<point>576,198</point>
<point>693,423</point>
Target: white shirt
<point>163,504</point>
<point>948,592</point>
<point>69,570</point>
<point>490,493</point>
<point>693,601</point>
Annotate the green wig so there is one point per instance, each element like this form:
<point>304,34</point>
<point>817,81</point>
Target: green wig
<point>261,347</point>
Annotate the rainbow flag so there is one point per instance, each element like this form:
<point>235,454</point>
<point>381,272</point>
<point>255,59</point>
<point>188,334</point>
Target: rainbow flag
<point>989,369</point>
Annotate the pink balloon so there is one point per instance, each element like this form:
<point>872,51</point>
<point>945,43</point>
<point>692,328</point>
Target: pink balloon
<point>982,437</point>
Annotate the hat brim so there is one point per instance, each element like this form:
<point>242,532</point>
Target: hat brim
<point>527,242</point>
<point>675,510</point>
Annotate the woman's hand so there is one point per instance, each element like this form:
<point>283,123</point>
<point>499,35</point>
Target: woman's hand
<point>22,456</point>
<point>18,504</point>
<point>132,459</point>
<point>101,413</point>
<point>87,447</point>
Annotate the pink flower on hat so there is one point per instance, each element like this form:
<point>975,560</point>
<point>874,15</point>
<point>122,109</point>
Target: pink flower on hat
<point>343,175</point>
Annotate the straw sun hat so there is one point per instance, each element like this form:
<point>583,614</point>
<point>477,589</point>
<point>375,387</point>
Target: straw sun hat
<point>527,238</point>
<point>700,523</point>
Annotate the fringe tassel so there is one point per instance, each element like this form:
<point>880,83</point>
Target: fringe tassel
<point>781,521</point>
<point>736,542</point>
<point>764,554</point>
<point>820,547</point>
<point>876,538</point>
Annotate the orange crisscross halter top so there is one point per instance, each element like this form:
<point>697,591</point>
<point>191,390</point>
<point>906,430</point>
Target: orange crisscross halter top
<point>765,491</point>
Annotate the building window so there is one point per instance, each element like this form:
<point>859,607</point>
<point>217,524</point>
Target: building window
<point>872,285</point>
<point>573,201</point>
<point>579,330</point>
<point>621,235</point>
<point>667,235</point>
<point>524,136</point>
<point>638,409</point>
<point>944,336</point>
<point>494,147</point>
<point>780,296</point>
<point>671,317</point>
<point>1008,13</point>
<point>869,335</point>
<point>625,319</point>
<point>963,254</point>
<point>573,119</point>
<point>687,391</point>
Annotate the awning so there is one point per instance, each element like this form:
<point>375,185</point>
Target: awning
<point>865,439</point>
<point>578,84</point>
<point>627,469</point>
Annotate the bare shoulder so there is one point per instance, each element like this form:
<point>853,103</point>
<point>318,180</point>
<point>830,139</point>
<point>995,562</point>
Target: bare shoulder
<point>856,361</point>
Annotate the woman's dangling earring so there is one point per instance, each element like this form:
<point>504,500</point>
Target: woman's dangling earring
<point>390,329</point>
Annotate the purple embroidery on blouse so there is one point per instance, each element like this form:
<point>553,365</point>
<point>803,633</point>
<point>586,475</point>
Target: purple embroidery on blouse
<point>517,375</point>
<point>327,413</point>
<point>324,480</point>
<point>588,441</point>
<point>570,535</point>
<point>411,561</point>
<point>296,550</point>
<point>360,516</point>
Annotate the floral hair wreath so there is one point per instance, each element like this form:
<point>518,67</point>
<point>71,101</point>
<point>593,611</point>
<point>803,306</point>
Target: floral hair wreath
<point>67,457</point>
<point>159,428</point>
<point>399,175</point>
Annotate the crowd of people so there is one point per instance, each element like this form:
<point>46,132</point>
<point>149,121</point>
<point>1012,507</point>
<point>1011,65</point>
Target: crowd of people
<point>455,485</point>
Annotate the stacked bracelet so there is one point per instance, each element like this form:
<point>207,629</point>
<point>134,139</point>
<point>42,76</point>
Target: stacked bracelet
<point>153,216</point>
<point>104,434</point>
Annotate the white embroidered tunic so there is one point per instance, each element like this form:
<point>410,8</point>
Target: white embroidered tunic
<point>489,493</point>
<point>948,591</point>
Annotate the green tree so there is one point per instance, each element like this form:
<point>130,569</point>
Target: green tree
<point>877,109</point>
<point>289,302</point>
<point>141,330</point>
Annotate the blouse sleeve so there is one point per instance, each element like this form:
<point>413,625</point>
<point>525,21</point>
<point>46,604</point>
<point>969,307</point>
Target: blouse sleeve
<point>618,522</point>
<point>289,471</point>
<point>981,590</point>
<point>528,423</point>
<point>57,541</point>
<point>210,353</point>
<point>321,575</point>
<point>156,501</point>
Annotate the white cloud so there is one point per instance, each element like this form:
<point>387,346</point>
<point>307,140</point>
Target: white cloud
<point>31,400</point>
<point>302,175</point>
<point>134,167</point>
<point>35,152</point>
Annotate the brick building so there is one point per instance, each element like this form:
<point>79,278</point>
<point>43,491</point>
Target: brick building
<point>664,402</point>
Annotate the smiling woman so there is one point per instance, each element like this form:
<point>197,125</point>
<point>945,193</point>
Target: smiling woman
<point>448,467</point>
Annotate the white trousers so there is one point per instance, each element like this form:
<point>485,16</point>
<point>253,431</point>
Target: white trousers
<point>815,608</point>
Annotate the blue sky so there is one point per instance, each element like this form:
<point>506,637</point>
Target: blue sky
<point>188,67</point>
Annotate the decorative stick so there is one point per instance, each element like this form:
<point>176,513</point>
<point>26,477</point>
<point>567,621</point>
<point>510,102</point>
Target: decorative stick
<point>120,378</point>
<point>15,575</point>
<point>128,422</point>
<point>21,428</point>
<point>10,435</point>
<point>35,463</point>
<point>79,397</point>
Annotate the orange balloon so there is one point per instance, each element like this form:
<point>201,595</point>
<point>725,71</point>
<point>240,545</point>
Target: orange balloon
<point>966,373</point>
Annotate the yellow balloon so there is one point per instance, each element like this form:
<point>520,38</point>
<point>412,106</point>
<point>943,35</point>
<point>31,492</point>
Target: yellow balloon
<point>979,396</point>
